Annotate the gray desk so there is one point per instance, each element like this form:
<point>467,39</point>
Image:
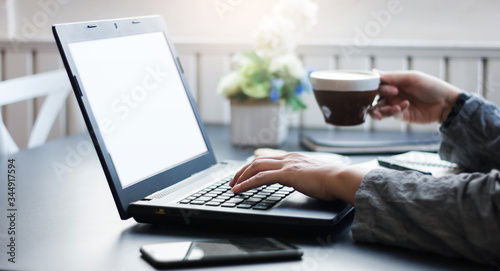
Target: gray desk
<point>66,220</point>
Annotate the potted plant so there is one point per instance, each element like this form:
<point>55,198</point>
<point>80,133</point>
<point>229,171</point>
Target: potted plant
<point>269,79</point>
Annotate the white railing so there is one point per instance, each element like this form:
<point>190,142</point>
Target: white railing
<point>474,67</point>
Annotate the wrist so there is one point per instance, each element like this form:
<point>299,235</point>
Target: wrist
<point>455,110</point>
<point>449,103</point>
<point>350,179</point>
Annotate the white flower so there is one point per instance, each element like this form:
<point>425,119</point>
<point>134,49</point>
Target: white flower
<point>273,70</point>
<point>291,62</point>
<point>278,34</point>
<point>274,36</point>
<point>239,60</point>
<point>301,12</point>
<point>229,84</point>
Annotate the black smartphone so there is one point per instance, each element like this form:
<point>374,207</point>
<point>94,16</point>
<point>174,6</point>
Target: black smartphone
<point>218,252</point>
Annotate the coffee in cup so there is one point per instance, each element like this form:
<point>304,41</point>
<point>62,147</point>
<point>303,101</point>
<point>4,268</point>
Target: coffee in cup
<point>344,96</point>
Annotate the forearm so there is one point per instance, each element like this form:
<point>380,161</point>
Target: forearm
<point>456,215</point>
<point>473,136</point>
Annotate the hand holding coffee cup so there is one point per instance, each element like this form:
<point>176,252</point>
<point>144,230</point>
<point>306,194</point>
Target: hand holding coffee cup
<point>344,96</point>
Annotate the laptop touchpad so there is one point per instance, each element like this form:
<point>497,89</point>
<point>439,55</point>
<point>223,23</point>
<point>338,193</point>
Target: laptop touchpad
<point>300,204</point>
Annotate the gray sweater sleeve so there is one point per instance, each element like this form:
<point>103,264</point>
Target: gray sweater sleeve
<point>456,215</point>
<point>472,139</point>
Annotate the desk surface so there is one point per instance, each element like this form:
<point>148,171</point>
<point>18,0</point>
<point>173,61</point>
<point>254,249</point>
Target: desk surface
<point>66,220</point>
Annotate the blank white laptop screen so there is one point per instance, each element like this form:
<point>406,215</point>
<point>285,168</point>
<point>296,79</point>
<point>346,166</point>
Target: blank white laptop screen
<point>140,104</point>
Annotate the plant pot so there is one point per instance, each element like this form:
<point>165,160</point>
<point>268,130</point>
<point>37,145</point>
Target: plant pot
<point>258,123</point>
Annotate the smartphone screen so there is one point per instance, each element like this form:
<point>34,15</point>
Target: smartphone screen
<point>219,251</point>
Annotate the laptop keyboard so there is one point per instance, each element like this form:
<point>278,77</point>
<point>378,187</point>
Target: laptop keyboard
<point>220,195</point>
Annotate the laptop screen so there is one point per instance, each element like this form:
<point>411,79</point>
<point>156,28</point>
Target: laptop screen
<point>140,104</point>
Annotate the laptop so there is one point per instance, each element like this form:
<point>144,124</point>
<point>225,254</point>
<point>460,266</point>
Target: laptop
<point>150,139</point>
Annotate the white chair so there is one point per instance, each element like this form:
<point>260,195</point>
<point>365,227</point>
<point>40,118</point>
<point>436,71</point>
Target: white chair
<point>54,84</point>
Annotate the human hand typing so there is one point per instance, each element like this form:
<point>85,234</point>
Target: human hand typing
<point>318,178</point>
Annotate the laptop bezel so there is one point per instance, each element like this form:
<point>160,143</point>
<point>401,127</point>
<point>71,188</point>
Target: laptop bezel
<point>86,31</point>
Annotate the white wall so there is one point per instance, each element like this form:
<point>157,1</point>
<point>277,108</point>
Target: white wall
<point>453,20</point>
<point>3,18</point>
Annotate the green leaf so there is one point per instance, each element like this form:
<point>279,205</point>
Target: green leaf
<point>253,56</point>
<point>256,91</point>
